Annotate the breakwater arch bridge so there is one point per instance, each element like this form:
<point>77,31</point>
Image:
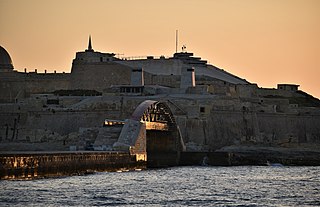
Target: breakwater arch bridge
<point>151,133</point>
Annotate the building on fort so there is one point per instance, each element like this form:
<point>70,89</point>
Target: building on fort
<point>212,108</point>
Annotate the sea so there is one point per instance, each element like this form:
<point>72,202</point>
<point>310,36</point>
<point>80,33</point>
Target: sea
<point>176,186</point>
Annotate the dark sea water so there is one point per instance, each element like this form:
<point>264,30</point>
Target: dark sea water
<point>178,186</point>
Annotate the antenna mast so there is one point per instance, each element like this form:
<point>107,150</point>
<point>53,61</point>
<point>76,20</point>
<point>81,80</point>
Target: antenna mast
<point>176,41</point>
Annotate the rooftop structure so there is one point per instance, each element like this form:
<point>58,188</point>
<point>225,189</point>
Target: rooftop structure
<point>288,87</point>
<point>91,56</point>
<point>188,58</point>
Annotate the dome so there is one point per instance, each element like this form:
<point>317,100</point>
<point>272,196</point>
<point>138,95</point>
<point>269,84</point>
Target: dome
<point>5,59</point>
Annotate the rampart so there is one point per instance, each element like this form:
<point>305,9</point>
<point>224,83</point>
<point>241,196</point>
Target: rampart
<point>206,122</point>
<point>15,86</point>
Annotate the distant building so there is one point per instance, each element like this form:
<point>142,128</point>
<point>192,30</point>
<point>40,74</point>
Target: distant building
<point>288,87</point>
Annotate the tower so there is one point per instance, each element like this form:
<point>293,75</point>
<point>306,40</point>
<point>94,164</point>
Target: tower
<point>187,77</point>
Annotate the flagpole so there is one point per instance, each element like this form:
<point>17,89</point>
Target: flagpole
<point>176,41</point>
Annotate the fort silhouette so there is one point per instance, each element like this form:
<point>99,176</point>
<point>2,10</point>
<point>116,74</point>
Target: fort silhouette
<point>213,110</point>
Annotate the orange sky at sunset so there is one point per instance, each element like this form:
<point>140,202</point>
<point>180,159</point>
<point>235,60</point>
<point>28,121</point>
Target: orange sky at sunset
<point>264,41</point>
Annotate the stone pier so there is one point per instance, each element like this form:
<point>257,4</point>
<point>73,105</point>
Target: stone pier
<point>29,165</point>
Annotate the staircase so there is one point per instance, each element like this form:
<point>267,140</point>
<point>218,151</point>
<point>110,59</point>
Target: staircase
<point>107,136</point>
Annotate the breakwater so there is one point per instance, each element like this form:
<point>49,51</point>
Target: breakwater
<point>28,165</point>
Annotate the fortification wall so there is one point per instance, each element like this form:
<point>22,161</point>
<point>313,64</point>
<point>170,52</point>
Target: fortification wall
<point>210,125</point>
<point>172,81</point>
<point>223,128</point>
<point>44,83</point>
<point>16,86</point>
<point>156,66</point>
<point>206,122</point>
<point>265,92</point>
<point>47,124</point>
<point>99,76</point>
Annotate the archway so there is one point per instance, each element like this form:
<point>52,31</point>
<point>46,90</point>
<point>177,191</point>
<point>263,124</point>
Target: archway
<point>163,139</point>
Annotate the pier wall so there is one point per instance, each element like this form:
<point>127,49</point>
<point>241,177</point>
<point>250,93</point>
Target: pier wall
<point>30,165</point>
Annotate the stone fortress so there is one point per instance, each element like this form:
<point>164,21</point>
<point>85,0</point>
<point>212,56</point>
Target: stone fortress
<point>214,110</point>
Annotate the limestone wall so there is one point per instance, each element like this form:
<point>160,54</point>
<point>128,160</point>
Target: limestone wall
<point>16,86</point>
<point>286,128</point>
<point>163,80</point>
<point>225,122</point>
<point>31,122</point>
<point>206,122</point>
<point>228,128</point>
<point>156,66</point>
<point>99,76</point>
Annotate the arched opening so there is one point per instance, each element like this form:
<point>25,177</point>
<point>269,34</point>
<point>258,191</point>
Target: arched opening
<point>163,139</point>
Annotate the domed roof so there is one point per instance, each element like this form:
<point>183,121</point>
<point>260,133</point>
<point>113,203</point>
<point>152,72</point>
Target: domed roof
<point>5,59</point>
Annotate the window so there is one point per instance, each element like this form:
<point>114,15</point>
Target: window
<point>202,109</point>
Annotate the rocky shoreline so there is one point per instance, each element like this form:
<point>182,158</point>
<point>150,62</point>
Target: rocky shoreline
<point>261,155</point>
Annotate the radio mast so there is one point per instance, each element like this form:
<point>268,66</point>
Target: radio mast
<point>176,41</point>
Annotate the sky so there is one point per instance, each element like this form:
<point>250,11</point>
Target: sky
<point>264,41</point>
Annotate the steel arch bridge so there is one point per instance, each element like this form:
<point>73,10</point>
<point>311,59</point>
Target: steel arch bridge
<point>163,139</point>
<point>156,115</point>
<point>152,130</point>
